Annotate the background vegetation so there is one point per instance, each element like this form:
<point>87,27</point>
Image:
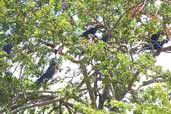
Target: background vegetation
<point>114,78</point>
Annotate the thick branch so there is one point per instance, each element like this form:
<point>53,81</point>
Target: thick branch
<point>104,95</point>
<point>38,103</point>
<point>151,81</point>
<point>88,84</point>
<point>130,84</point>
<point>165,49</point>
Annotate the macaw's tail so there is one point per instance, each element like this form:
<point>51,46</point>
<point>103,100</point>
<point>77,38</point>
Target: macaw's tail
<point>40,80</point>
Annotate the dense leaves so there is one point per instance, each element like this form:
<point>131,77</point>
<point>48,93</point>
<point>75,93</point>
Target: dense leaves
<point>102,72</point>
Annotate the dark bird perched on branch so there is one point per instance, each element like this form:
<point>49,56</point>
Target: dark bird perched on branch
<point>155,37</point>
<point>7,48</point>
<point>49,72</point>
<point>155,44</point>
<point>91,30</point>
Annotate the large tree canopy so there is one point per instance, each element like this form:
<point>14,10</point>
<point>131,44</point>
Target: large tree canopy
<point>99,40</point>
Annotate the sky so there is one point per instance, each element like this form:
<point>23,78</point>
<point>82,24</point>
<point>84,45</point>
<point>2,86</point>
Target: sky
<point>164,59</point>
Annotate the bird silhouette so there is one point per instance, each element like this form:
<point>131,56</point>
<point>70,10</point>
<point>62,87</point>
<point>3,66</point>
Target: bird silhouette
<point>155,45</point>
<point>155,37</point>
<point>49,73</point>
<point>91,30</point>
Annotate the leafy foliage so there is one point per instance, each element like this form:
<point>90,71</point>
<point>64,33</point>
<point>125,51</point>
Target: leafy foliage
<point>109,77</point>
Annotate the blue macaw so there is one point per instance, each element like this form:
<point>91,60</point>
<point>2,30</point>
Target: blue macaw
<point>155,37</point>
<point>91,30</point>
<point>49,73</point>
<point>155,45</point>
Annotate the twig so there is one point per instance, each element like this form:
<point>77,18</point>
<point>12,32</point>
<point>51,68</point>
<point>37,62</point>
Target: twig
<point>117,22</point>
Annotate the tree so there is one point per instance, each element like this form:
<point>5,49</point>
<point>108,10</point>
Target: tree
<point>111,78</point>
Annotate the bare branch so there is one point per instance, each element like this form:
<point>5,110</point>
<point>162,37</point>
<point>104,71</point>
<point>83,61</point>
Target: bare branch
<point>103,96</point>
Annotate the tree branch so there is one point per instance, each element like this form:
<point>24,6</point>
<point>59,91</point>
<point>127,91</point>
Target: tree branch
<point>151,81</point>
<point>37,103</point>
<point>130,84</point>
<point>88,84</point>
